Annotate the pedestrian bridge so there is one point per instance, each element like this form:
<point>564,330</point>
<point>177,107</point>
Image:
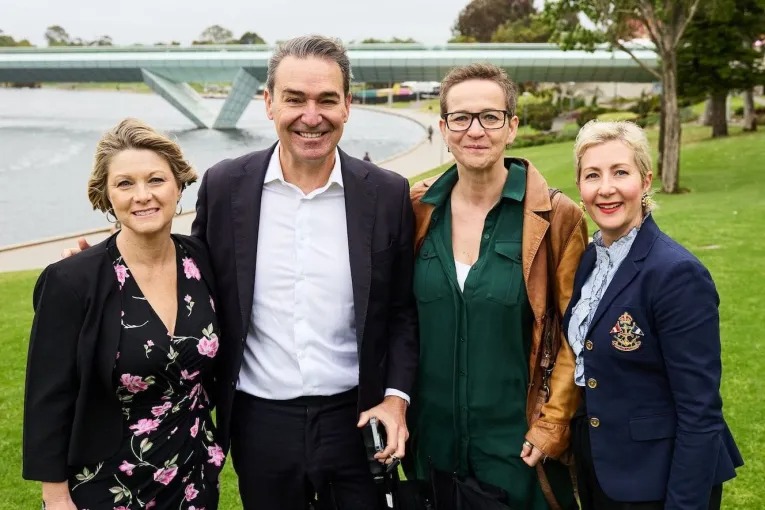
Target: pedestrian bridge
<point>168,70</point>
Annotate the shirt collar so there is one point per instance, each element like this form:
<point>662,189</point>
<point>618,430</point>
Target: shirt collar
<point>274,171</point>
<point>514,188</point>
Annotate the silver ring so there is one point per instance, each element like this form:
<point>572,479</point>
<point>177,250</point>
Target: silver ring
<point>528,443</point>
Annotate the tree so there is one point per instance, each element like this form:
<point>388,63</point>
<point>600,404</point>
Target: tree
<point>528,30</point>
<point>394,40</point>
<point>215,34</point>
<point>717,56</point>
<point>7,40</point>
<point>251,38</point>
<point>103,40</point>
<point>664,22</point>
<point>57,36</point>
<point>481,18</point>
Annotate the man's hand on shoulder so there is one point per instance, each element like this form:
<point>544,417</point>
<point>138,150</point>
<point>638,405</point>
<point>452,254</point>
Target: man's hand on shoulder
<point>82,245</point>
<point>392,413</point>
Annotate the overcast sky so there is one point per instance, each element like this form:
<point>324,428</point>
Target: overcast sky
<point>150,21</point>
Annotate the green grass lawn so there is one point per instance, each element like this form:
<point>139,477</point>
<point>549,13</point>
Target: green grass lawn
<point>719,220</point>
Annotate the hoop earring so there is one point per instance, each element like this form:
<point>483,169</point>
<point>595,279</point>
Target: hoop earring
<point>448,149</point>
<point>111,211</point>
<point>179,209</point>
<point>645,200</point>
<point>581,206</point>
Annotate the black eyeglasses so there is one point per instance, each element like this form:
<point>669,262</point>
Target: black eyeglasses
<point>488,119</point>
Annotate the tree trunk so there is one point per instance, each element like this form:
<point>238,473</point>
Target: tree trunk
<point>750,118</point>
<point>662,130</point>
<point>670,157</point>
<point>706,117</point>
<point>719,114</point>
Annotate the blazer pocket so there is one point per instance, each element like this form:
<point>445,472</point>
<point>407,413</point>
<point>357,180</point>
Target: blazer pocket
<point>650,428</point>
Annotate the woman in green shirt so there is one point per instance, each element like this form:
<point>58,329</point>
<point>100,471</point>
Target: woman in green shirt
<point>482,412</point>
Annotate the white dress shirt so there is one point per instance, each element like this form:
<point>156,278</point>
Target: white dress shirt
<point>302,335</point>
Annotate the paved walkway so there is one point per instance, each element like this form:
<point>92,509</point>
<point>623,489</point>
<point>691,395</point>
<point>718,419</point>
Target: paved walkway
<point>418,159</point>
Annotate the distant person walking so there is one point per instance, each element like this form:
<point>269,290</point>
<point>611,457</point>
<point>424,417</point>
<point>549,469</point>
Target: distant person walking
<point>366,157</point>
<point>430,134</point>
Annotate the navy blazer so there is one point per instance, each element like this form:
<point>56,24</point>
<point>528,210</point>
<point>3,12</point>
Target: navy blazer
<point>72,416</point>
<point>380,226</point>
<point>652,371</point>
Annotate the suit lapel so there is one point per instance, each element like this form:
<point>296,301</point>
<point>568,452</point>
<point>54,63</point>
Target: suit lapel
<point>629,269</point>
<point>360,205</point>
<point>246,191</point>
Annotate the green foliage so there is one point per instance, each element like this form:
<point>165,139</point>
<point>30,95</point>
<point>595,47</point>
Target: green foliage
<point>251,38</point>
<point>613,116</point>
<point>526,30</point>
<point>540,116</point>
<point>215,34</point>
<point>480,19</point>
<point>7,40</point>
<point>717,54</point>
<point>585,115</point>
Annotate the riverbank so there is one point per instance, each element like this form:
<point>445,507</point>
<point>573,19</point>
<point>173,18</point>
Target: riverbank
<point>421,156</point>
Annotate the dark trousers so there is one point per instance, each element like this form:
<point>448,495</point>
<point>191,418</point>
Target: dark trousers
<point>301,453</point>
<point>591,495</point>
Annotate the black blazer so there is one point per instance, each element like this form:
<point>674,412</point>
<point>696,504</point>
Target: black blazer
<point>380,227</point>
<point>71,412</point>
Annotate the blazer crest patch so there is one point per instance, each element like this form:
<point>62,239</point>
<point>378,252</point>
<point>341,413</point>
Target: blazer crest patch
<point>626,334</point>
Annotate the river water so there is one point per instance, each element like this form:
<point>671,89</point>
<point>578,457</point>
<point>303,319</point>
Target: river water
<point>48,136</point>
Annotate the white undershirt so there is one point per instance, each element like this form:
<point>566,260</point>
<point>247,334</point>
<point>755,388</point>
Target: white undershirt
<point>462,273</point>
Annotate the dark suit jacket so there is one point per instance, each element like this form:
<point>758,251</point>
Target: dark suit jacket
<point>71,412</point>
<point>380,227</point>
<point>661,433</point>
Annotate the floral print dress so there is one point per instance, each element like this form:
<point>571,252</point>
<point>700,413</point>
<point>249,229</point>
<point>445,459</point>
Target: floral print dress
<point>168,458</point>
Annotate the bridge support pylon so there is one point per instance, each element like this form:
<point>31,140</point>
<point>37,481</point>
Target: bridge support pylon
<point>184,98</point>
<point>243,88</point>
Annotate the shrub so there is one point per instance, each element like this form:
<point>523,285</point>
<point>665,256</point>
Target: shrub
<point>586,115</point>
<point>612,116</point>
<point>540,116</point>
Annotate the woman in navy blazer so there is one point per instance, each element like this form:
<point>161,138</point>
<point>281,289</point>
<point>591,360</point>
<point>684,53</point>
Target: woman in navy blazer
<point>644,324</point>
<point>117,411</point>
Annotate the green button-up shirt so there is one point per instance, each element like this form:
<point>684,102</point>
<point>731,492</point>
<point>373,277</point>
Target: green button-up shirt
<point>474,345</point>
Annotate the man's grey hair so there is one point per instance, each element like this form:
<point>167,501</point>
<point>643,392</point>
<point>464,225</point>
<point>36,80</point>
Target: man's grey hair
<point>305,46</point>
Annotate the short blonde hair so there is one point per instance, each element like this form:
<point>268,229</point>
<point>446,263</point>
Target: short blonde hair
<point>596,132</point>
<point>134,134</point>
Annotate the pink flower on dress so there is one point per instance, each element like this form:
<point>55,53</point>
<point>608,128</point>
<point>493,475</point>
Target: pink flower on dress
<point>160,410</point>
<point>121,508</point>
<point>191,492</point>
<point>144,426</point>
<point>165,475</point>
<point>150,343</point>
<point>194,428</point>
<point>122,273</point>
<point>187,298</point>
<point>151,504</point>
<point>127,468</point>
<point>186,376</point>
<point>190,269</point>
<point>133,383</point>
<point>208,346</point>
<point>215,453</point>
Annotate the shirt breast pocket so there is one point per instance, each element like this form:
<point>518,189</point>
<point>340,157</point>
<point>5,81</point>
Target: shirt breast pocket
<point>505,273</point>
<point>429,278</point>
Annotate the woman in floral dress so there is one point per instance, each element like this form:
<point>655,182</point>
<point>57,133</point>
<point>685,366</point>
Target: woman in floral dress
<point>123,345</point>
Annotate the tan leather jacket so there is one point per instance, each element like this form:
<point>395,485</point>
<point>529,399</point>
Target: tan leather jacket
<point>550,433</point>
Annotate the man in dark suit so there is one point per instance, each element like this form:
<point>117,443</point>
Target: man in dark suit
<point>312,253</point>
